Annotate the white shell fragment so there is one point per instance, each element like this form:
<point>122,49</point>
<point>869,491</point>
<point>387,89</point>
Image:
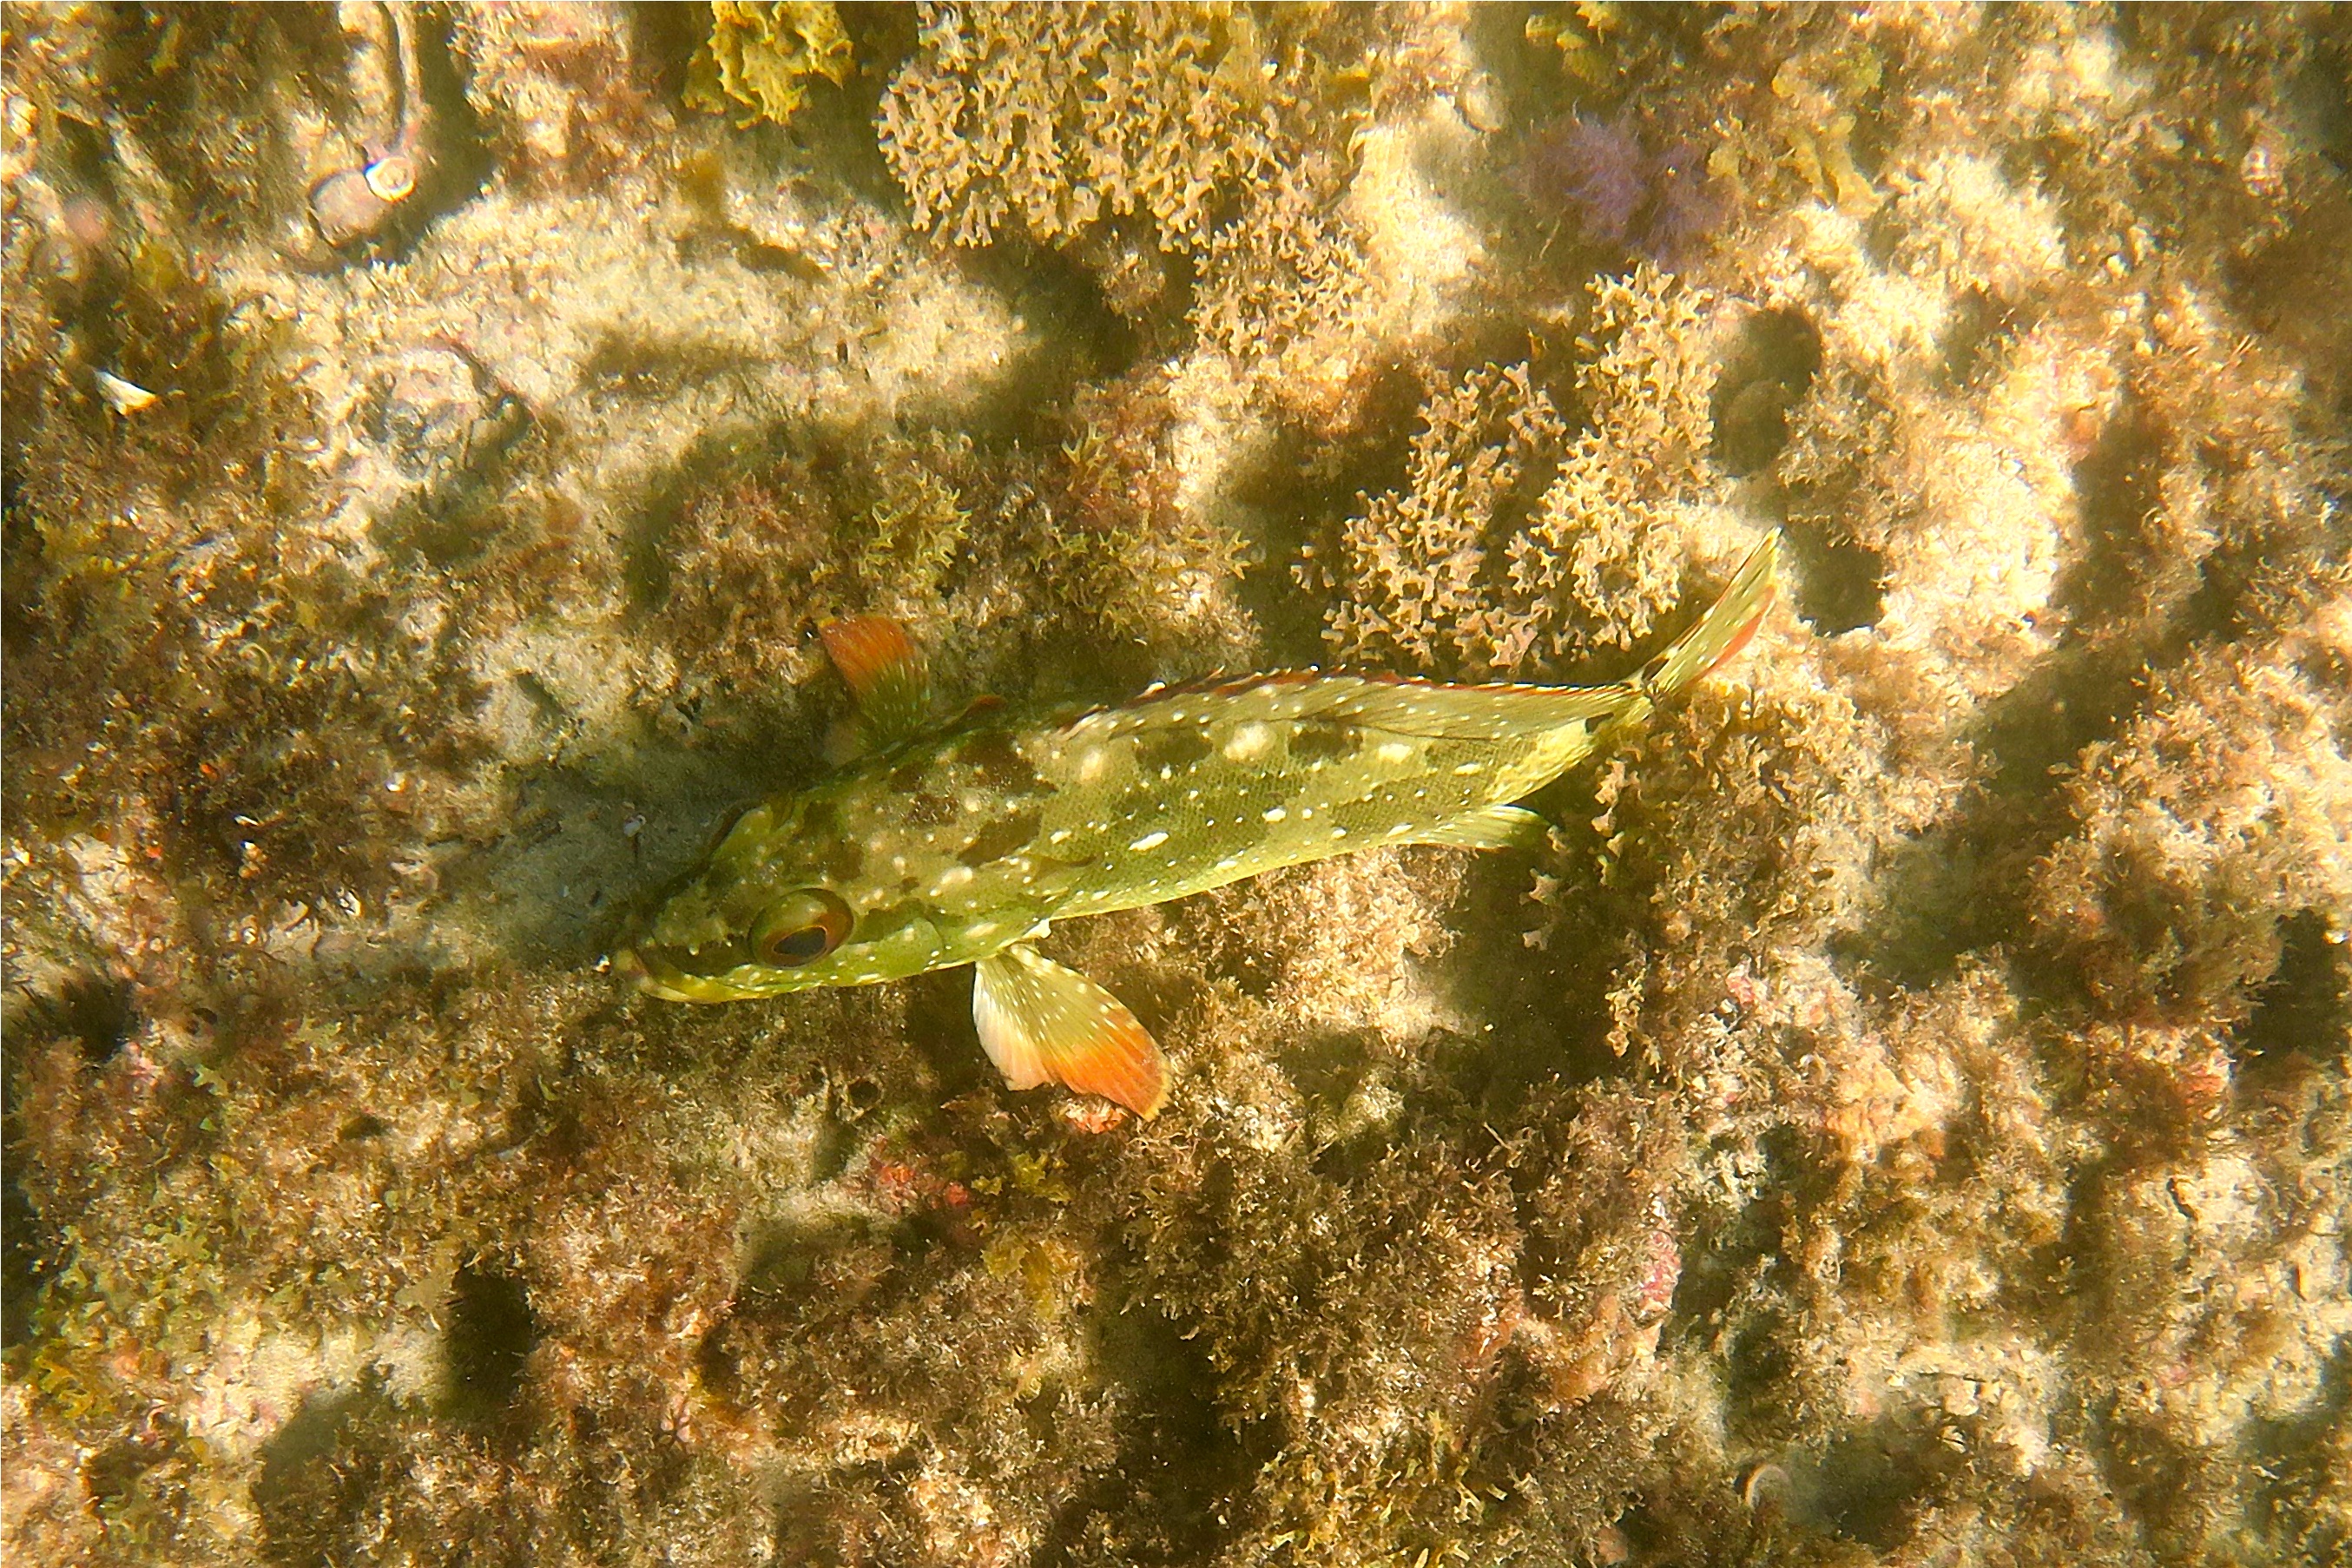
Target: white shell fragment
<point>125,397</point>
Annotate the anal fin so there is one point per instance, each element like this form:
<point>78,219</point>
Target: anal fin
<point>1042,1023</point>
<point>1491,828</point>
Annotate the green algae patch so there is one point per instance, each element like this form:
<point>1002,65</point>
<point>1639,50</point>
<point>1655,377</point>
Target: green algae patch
<point>757,63</point>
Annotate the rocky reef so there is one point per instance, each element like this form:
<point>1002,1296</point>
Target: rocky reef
<point>1903,1116</point>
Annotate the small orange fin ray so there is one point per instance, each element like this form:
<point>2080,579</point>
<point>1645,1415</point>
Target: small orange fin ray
<point>1738,643</point>
<point>1042,1023</point>
<point>1725,630</point>
<point>884,670</point>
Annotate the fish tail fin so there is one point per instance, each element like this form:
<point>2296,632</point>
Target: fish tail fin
<point>1723,630</point>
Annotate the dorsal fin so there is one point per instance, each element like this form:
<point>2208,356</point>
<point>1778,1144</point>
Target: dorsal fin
<point>884,672</point>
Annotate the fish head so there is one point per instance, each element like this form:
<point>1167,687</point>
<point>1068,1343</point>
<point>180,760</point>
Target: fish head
<point>771,912</point>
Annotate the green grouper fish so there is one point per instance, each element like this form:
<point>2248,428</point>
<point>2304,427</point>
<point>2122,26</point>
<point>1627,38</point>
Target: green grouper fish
<point>962,843</point>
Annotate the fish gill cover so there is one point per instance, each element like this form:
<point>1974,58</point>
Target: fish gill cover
<point>1902,1114</point>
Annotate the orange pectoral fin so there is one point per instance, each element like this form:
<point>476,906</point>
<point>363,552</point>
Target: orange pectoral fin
<point>884,672</point>
<point>1041,1023</point>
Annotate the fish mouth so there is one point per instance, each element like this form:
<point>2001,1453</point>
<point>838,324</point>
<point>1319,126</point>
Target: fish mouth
<point>655,978</point>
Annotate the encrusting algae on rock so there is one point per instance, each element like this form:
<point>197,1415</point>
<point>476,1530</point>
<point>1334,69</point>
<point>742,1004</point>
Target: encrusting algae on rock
<point>964,845</point>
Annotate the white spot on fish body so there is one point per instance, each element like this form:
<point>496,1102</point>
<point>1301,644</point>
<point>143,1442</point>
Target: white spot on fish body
<point>1393,751</point>
<point>1091,765</point>
<point>1248,742</point>
<point>1148,841</point>
<point>1059,836</point>
<point>1274,813</point>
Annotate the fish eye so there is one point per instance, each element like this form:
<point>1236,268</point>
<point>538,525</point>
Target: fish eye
<point>800,928</point>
